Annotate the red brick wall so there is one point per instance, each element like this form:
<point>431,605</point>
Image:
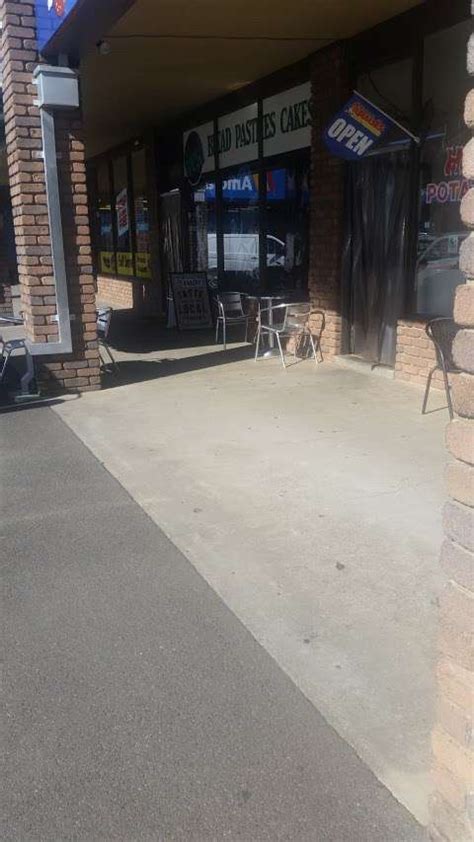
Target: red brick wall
<point>117,293</point>
<point>415,355</point>
<point>329,90</point>
<point>18,56</point>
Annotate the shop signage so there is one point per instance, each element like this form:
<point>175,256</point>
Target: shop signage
<point>245,186</point>
<point>121,209</point>
<point>198,151</point>
<point>107,262</point>
<point>237,136</point>
<point>448,189</point>
<point>287,121</point>
<point>286,126</point>
<point>191,300</point>
<point>50,15</point>
<point>124,263</point>
<point>358,127</point>
<point>142,264</point>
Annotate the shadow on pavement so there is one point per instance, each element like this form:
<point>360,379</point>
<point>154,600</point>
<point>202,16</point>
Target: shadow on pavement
<point>137,371</point>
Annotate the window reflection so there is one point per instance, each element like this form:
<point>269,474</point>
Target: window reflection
<point>241,230</point>
<point>104,222</point>
<point>122,218</point>
<point>442,183</point>
<point>142,222</point>
<point>202,230</point>
<point>287,217</point>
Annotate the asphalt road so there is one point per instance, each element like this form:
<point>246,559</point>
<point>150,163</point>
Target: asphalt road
<point>138,707</point>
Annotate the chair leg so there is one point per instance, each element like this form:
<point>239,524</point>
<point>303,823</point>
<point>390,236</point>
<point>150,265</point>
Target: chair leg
<point>313,347</point>
<point>281,350</point>
<point>427,390</point>
<point>5,363</point>
<point>224,334</point>
<point>257,343</point>
<point>246,330</point>
<point>106,348</point>
<point>448,393</point>
<point>217,329</point>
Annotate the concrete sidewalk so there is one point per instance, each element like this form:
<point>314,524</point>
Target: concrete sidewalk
<point>138,707</point>
<point>310,500</point>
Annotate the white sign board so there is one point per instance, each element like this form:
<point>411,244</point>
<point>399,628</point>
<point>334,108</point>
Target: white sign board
<point>198,150</point>
<point>287,121</point>
<point>286,126</point>
<point>238,140</point>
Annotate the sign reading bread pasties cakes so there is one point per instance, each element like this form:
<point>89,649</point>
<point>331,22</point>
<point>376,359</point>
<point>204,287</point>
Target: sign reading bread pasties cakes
<point>237,136</point>
<point>191,300</point>
<point>287,121</point>
<point>357,128</point>
<point>286,126</point>
<point>50,15</point>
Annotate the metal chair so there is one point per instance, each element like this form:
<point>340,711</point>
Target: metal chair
<point>230,311</point>
<point>295,322</point>
<point>104,318</point>
<point>442,333</point>
<point>7,350</point>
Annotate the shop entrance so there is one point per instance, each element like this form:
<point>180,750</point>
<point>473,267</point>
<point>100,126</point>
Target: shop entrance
<point>378,193</point>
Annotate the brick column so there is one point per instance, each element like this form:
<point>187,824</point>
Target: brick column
<point>452,813</point>
<point>329,91</point>
<point>19,57</point>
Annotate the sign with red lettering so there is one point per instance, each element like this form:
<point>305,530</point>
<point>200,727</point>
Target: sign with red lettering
<point>449,189</point>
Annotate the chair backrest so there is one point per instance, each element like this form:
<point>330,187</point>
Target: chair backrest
<point>231,303</point>
<point>104,317</point>
<point>442,333</point>
<point>296,316</point>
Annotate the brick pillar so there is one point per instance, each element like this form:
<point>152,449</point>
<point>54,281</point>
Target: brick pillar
<point>452,813</point>
<point>19,57</point>
<point>329,91</point>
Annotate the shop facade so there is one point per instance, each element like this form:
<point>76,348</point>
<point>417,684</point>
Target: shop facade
<point>245,190</point>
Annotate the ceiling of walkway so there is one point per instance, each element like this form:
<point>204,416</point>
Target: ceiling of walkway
<point>169,56</point>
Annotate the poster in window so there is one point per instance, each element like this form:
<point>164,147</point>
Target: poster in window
<point>121,206</point>
<point>191,300</point>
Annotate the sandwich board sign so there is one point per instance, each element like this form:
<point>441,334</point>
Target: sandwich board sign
<point>191,300</point>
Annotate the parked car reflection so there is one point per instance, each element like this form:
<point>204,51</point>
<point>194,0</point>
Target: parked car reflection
<point>438,273</point>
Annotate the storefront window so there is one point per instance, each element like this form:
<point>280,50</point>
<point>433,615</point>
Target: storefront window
<point>122,218</point>
<point>104,222</point>
<point>202,229</point>
<point>390,88</point>
<point>442,183</point>
<point>287,220</point>
<point>241,230</point>
<point>142,221</point>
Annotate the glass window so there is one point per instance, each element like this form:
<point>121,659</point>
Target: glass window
<point>122,218</point>
<point>202,229</point>
<point>104,222</point>
<point>142,220</point>
<point>390,88</point>
<point>442,184</point>
<point>241,230</point>
<point>287,220</point>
